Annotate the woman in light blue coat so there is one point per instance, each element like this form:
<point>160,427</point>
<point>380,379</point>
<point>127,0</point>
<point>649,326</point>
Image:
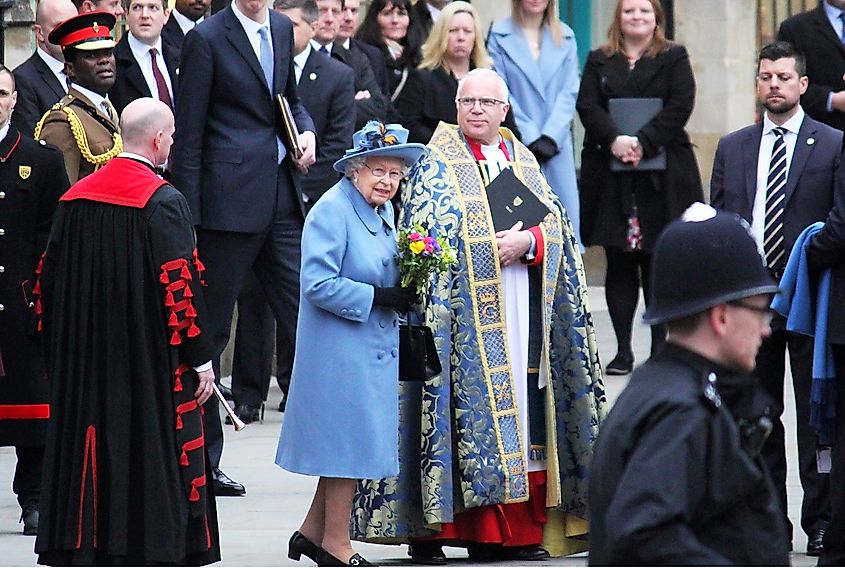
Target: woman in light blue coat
<point>342,416</point>
<point>537,56</point>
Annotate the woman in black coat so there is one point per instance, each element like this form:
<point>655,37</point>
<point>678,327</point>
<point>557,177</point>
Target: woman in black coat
<point>625,211</point>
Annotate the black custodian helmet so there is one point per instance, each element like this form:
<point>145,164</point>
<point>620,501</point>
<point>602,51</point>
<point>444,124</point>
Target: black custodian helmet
<point>704,259</point>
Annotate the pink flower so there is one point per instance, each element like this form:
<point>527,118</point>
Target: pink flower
<point>415,237</point>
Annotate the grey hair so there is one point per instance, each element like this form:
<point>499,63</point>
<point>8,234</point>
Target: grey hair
<point>354,164</point>
<point>482,72</point>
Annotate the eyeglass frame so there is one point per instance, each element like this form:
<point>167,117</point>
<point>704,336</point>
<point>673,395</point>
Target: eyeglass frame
<point>460,101</point>
<point>765,311</point>
<point>387,173</point>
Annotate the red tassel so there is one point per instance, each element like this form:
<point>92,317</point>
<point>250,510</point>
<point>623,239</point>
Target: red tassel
<point>168,300</point>
<point>185,273</point>
<point>191,311</point>
<point>187,293</point>
<point>37,288</point>
<point>38,308</point>
<point>175,339</point>
<point>193,331</point>
<point>40,326</point>
<point>178,421</point>
<point>177,384</point>
<point>173,321</point>
<point>195,495</point>
<point>164,277</point>
<point>183,461</point>
<point>198,263</point>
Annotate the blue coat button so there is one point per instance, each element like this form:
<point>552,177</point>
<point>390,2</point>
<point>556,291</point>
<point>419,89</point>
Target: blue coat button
<point>381,354</point>
<point>385,261</point>
<point>394,352</point>
<point>344,312</point>
<point>357,313</point>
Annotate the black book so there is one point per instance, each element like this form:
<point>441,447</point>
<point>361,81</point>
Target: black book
<point>630,115</point>
<point>510,201</point>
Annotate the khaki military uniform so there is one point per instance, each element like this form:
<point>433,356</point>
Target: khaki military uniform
<point>86,135</point>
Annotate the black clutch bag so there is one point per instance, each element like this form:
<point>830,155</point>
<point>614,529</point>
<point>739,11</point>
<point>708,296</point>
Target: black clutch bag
<point>418,359</point>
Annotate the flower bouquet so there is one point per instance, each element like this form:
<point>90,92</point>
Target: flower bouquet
<point>421,256</point>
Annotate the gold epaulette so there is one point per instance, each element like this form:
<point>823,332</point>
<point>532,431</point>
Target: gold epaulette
<point>78,132</point>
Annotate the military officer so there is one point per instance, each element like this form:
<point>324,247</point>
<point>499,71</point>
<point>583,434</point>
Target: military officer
<point>84,124</point>
<point>32,178</point>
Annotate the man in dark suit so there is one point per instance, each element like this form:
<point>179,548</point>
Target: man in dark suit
<point>145,66</point>
<point>41,79</point>
<point>347,27</point>
<point>185,16</point>
<point>230,162</point>
<point>819,35</point>
<point>781,176</point>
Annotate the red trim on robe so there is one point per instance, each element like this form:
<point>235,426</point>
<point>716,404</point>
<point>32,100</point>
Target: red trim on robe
<point>185,304</point>
<point>189,446</point>
<point>512,524</point>
<point>540,251</point>
<point>122,181</point>
<point>90,451</point>
<point>36,293</point>
<point>24,411</point>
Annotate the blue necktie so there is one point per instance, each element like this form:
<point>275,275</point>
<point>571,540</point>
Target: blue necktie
<point>266,56</point>
<point>323,50</point>
<point>773,226</point>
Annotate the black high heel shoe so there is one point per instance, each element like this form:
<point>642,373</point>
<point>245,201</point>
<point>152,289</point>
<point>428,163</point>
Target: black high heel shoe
<point>326,559</point>
<point>299,545</point>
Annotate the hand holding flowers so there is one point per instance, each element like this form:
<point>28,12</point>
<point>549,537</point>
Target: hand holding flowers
<point>422,255</point>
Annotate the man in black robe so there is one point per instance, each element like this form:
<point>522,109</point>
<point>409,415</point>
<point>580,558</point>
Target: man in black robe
<point>677,477</point>
<point>120,296</point>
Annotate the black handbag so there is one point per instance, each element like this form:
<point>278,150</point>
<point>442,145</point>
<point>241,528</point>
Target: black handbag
<point>418,359</point>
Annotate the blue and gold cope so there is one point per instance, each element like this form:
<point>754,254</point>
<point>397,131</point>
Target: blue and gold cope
<point>460,435</point>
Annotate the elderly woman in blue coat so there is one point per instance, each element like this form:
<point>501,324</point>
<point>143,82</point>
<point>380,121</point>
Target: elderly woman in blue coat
<point>342,418</point>
<point>536,55</point>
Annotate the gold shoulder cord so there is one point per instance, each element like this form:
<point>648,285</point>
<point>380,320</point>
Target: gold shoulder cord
<point>78,132</point>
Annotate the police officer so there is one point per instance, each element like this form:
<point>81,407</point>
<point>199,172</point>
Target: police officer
<point>677,475</point>
<point>84,124</point>
<point>32,178</point>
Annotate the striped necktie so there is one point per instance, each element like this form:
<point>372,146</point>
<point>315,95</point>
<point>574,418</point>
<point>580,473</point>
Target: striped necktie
<point>775,196</point>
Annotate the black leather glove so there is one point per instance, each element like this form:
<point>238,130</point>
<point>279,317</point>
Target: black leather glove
<point>543,148</point>
<point>396,297</point>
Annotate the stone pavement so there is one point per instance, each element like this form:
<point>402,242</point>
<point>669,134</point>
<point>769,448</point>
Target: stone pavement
<point>255,529</point>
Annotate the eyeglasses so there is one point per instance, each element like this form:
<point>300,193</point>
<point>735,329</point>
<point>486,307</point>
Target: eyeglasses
<point>765,311</point>
<point>486,102</point>
<point>395,175</point>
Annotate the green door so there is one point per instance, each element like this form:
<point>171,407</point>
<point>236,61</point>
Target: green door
<point>576,13</point>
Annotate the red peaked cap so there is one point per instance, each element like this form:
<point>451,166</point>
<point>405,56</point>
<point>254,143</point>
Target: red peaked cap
<point>89,31</point>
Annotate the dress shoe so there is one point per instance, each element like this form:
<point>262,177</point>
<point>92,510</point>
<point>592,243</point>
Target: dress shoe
<point>428,553</point>
<point>815,544</point>
<point>326,559</point>
<point>225,486</point>
<point>299,545</point>
<point>247,413</point>
<point>525,553</point>
<point>484,552</point>
<point>621,365</point>
<point>29,518</point>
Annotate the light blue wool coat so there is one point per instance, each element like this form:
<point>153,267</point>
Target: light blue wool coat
<point>342,416</point>
<point>542,96</point>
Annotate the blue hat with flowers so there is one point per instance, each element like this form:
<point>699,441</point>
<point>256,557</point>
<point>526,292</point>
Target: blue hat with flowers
<point>378,139</point>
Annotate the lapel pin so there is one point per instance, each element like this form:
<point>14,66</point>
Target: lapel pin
<point>811,141</point>
<point>313,76</point>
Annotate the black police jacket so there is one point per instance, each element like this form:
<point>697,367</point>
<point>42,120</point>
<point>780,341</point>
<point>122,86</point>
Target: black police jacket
<point>677,478</point>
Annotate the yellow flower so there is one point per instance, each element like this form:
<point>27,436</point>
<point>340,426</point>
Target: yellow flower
<point>417,247</point>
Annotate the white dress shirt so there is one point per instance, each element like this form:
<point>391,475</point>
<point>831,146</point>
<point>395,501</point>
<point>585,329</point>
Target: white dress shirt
<point>141,51</point>
<point>185,23</point>
<point>299,62</point>
<point>56,66</point>
<point>251,27</point>
<point>764,158</point>
<point>96,99</point>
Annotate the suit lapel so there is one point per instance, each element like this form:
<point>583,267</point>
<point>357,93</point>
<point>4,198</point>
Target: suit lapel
<point>312,67</point>
<point>281,48</point>
<point>825,29</point>
<point>552,56</point>
<point>800,155</point>
<point>48,76</point>
<point>750,153</point>
<point>516,48</point>
<point>236,36</point>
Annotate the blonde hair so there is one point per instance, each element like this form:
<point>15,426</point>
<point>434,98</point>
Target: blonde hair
<point>550,18</point>
<point>434,48</point>
<point>616,40</point>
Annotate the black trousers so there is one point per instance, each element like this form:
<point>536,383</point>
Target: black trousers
<point>229,257</point>
<point>771,368</point>
<point>834,538</point>
<point>27,481</point>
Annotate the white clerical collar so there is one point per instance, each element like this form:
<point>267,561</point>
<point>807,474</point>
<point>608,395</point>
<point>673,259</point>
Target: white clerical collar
<point>250,26</point>
<point>95,98</point>
<point>301,58</point>
<point>135,156</point>
<point>141,50</point>
<point>317,45</point>
<point>185,23</point>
